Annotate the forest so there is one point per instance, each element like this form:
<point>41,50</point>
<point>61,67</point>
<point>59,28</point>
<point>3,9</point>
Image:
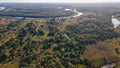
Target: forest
<point>44,41</point>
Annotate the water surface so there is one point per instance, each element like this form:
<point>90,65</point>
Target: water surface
<point>115,22</point>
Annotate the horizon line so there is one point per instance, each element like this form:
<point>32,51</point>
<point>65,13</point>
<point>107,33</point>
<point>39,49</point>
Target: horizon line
<point>64,2</point>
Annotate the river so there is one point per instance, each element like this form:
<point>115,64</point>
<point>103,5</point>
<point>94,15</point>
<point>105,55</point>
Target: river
<point>77,14</point>
<point>2,8</point>
<point>72,16</point>
<point>108,66</point>
<point>115,22</point>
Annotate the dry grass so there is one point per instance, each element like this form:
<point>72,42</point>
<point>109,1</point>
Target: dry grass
<point>5,21</point>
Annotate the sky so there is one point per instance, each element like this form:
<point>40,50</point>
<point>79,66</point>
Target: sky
<point>62,1</point>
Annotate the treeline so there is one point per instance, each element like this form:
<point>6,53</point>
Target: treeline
<point>35,11</point>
